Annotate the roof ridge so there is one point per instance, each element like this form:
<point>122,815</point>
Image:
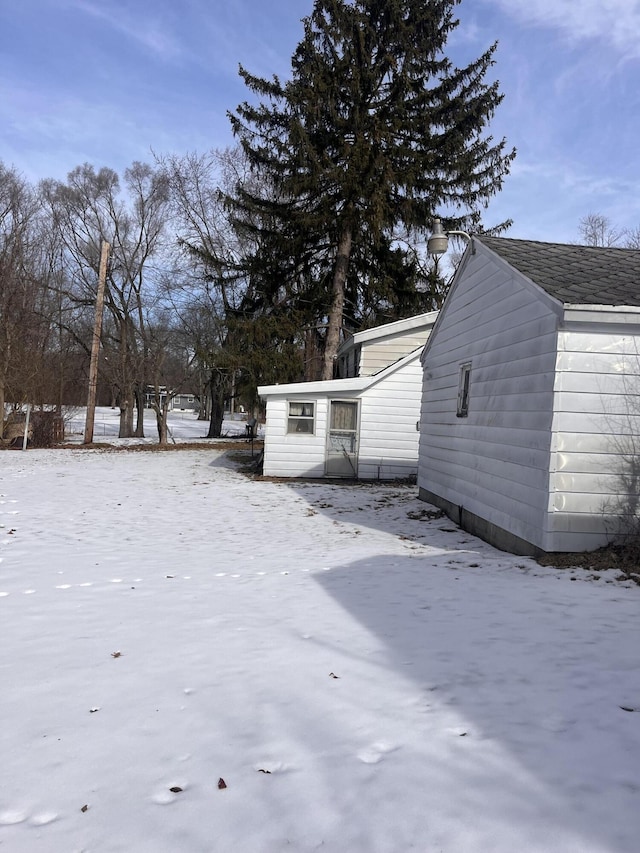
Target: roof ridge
<point>489,237</point>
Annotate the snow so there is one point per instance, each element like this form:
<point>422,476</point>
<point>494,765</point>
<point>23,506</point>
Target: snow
<point>183,426</point>
<point>364,678</point>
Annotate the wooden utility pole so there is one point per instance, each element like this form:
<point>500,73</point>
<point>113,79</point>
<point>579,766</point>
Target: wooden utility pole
<point>95,346</point>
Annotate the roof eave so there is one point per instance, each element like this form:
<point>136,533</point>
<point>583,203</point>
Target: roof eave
<point>609,315</point>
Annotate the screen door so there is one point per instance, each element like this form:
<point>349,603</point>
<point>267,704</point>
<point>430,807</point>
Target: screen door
<point>342,439</point>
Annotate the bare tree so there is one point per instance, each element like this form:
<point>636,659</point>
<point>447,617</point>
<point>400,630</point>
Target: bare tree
<point>88,209</point>
<point>596,230</point>
<point>216,300</point>
<point>632,238</point>
<point>23,327</point>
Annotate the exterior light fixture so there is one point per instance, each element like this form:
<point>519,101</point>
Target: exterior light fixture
<point>438,242</point>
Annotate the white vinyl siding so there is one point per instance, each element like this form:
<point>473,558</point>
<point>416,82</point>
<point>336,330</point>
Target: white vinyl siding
<point>494,462</point>
<point>378,354</point>
<point>293,455</point>
<point>390,409</point>
<point>596,437</point>
<point>372,350</point>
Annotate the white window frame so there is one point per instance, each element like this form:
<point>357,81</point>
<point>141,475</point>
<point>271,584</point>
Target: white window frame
<point>464,387</point>
<point>295,421</point>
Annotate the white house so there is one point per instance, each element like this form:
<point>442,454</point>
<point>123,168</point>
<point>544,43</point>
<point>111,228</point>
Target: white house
<point>530,421</point>
<point>363,425</point>
<point>370,351</point>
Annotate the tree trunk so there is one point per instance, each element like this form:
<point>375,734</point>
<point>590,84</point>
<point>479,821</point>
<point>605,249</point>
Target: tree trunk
<point>4,372</point>
<point>126,413</point>
<point>334,324</point>
<point>139,395</point>
<point>130,415</point>
<point>161,420</point>
<point>125,403</point>
<point>217,405</point>
<point>203,399</point>
<point>312,355</point>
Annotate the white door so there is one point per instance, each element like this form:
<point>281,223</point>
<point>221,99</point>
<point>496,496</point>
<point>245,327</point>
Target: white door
<point>342,440</point>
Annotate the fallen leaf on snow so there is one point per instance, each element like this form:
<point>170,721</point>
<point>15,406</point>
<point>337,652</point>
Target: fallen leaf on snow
<point>93,710</point>
<point>84,808</point>
<point>262,770</point>
<point>221,783</point>
<point>333,675</point>
<point>176,789</point>
<point>116,654</point>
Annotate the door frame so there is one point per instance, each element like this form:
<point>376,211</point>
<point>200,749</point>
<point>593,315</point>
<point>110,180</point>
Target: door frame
<point>353,458</point>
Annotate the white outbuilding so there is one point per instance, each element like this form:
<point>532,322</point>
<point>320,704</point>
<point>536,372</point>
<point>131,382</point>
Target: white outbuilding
<point>360,426</point>
<point>530,421</point>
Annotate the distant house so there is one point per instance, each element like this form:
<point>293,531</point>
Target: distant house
<point>362,425</point>
<point>183,402</point>
<point>530,423</point>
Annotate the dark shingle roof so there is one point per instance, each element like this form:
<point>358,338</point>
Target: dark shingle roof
<point>574,274</point>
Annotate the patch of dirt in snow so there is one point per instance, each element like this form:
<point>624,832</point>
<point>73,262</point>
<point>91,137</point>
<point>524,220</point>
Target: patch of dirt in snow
<point>624,559</point>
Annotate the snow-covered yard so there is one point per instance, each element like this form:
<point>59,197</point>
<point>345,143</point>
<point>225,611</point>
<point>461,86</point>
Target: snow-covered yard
<point>364,678</point>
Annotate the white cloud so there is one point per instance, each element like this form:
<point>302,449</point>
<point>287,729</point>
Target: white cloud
<point>142,29</point>
<point>613,21</point>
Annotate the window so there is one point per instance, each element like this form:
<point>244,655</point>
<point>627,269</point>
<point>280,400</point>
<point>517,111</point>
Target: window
<point>463,390</point>
<point>356,361</point>
<point>343,430</point>
<point>301,417</point>
<point>344,416</point>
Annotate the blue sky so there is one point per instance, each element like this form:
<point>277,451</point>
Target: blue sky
<point>109,82</point>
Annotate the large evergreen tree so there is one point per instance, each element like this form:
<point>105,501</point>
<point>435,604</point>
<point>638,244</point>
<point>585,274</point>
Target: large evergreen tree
<point>375,131</point>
